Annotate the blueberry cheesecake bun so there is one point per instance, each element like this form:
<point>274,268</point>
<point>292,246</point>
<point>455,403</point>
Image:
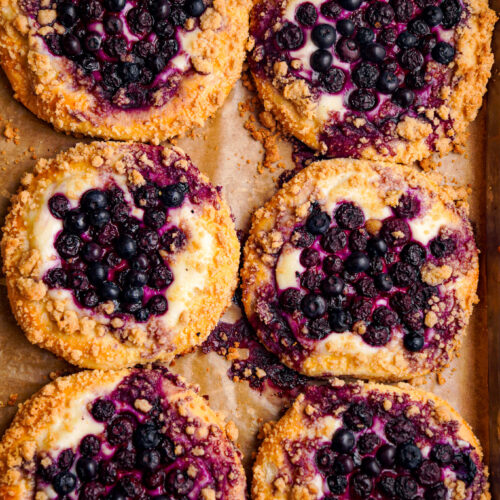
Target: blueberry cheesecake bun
<point>119,253</point>
<point>374,79</point>
<point>361,268</point>
<point>143,70</point>
<point>128,434</point>
<point>355,441</point>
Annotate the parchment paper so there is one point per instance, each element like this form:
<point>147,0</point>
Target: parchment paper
<point>225,151</point>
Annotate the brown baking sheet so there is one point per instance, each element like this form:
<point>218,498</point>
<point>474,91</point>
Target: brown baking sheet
<point>225,151</point>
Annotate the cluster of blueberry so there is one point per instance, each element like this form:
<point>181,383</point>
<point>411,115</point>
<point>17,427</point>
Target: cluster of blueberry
<point>109,255</point>
<point>121,47</point>
<point>388,465</point>
<point>349,274</point>
<point>393,41</point>
<point>141,465</point>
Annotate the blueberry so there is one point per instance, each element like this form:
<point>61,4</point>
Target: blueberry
<point>405,487</point>
<point>147,196</point>
<point>432,15</point>
<point>403,10</point>
<point>343,441</point>
<point>97,273</point>
<point>173,239</point>
<point>156,63</point>
<point>133,295</point>
<point>92,491</point>
<point>160,9</point>
<point>68,245</point>
<point>452,12</point>
<point>323,35</point>
<point>318,328</point>
<point>383,316</point>
<point>387,37</point>
<point>86,469</point>
<point>379,14</point>
<point>290,299</point>
<point>366,287</point>
<point>132,487</point>
<point>345,27</point>
<point>71,45</point>
<point>125,458</point>
<point>348,50</point>
<point>99,218</point>
<point>108,472</point>
<point>126,246</point>
<point>160,277</point>
<point>361,485</point>
<point>113,25</point>
<point>377,335</point>
<point>403,98</point>
<point>318,222</point>
<point>361,308</point>
<point>179,483</point>
<point>408,206</point>
<point>92,252</point>
<point>164,29</point>
<point>310,257</point>
<point>411,59</point>
<point>406,40</point>
<point>358,240</point>
<point>64,483</point>
<point>332,285</point>
<point>120,430</point>
<point>173,195</point>
<point>290,37</point>
<point>66,458</point>
<point>427,43</point>
<point>443,53</point>
<point>357,262</point>
<point>56,278</point>
<point>442,247</point>
<point>147,437</point>
<point>365,35</point>
<point>350,4</point>
<point>408,456</point>
<point>90,445</point>
<point>340,320</point>
<point>156,480</point>
<point>102,410</point>
<point>387,486</point>
<point>386,455</point>
<point>130,72</point>
<point>365,75</point>
<point>114,5</point>
<point>306,14</point>
<point>313,306</point>
<point>66,14</point>
<point>344,464</point>
<point>332,264</point>
<point>428,473</point>
<point>59,206</point>
<point>362,100</point>
<point>91,9</point>
<point>377,246</point>
<point>148,459</point>
<point>348,215</point>
<point>88,298</point>
<point>438,492</point>
<point>413,341</point>
<point>374,52</point>
<point>413,253</point>
<point>137,278</point>
<point>465,467</point>
<point>337,484</point>
<point>325,458</point>
<point>148,240</point>
<point>370,466</point>
<point>321,60</point>
<point>178,17</point>
<point>116,494</point>
<point>331,9</point>
<point>109,291</point>
<point>75,222</point>
<point>418,27</point>
<point>334,240</point>
<point>442,453</point>
<point>404,274</point>
<point>358,416</point>
<point>140,20</point>
<point>157,305</point>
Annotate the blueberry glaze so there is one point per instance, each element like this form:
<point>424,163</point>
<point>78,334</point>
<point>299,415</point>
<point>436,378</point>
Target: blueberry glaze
<point>384,60</point>
<point>142,455</point>
<point>123,51</point>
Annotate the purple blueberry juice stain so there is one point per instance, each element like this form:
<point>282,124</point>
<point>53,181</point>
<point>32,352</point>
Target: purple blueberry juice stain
<point>110,256</point>
<point>352,280</point>
<point>384,60</point>
<point>123,52</point>
<point>142,454</point>
<point>383,451</point>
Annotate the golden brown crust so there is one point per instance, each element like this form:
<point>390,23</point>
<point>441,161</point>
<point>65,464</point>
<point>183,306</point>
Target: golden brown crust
<point>272,460</point>
<point>462,100</point>
<point>375,187</point>
<point>39,420</point>
<point>51,322</point>
<point>43,83</point>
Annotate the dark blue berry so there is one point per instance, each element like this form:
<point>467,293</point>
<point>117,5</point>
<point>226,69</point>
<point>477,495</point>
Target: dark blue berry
<point>411,59</point>
<point>290,299</point>
<point>367,443</point>
<point>362,100</point>
<point>318,222</point>
<point>349,216</point>
<point>343,441</point>
<point>133,295</point>
<point>406,488</point>
<point>377,246</point>
<point>140,20</point>
<point>160,277</point>
<point>386,455</point>
<point>334,240</point>
<point>99,218</point>
<point>438,492</point>
<point>173,195</point>
<point>348,50</point>
<point>350,4</point>
<point>92,252</point>
<point>321,60</point>
<point>452,12</point>
<point>179,483</point>
<point>340,320</point>
<point>113,25</point>
<point>414,341</point>
<point>157,305</point>
<point>370,466</point>
<point>403,98</point>
<point>109,291</point>
<point>309,257</point>
<point>325,458</point>
<point>365,75</point>
<point>357,262</point>
<point>71,45</point>
<point>160,8</point>
<point>408,456</point>
<point>442,453</point>
<point>56,278</point>
<point>126,247</point>
<point>365,35</point>
<point>383,316</point>
<point>90,445</point>
<point>418,27</point>
<point>313,306</point>
<point>130,72</point>
<point>59,206</point>
<point>432,15</point>
<point>102,410</point>
<point>68,245</point>
<point>406,40</point>
<point>114,5</point>
<point>306,14</point>
<point>374,52</point>
<point>428,473</point>
<point>377,335</point>
<point>379,14</point>
<point>361,485</point>
<point>344,464</point>
<point>290,37</point>
<point>443,53</point>
<point>148,459</point>
<point>345,27</point>
<point>86,469</point>
<point>332,285</point>
<point>323,35</point>
<point>332,264</point>
<point>75,222</point>
<point>64,483</point>
<point>403,9</point>
<point>97,273</point>
<point>358,416</point>
<point>120,430</point>
<point>67,14</point>
<point>337,484</point>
